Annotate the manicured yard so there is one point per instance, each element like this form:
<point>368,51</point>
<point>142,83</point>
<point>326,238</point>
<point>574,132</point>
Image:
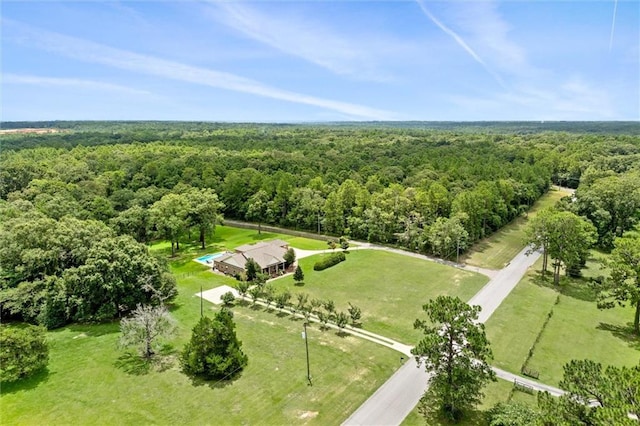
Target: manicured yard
<point>502,246</point>
<point>89,381</point>
<point>576,330</point>
<point>389,288</point>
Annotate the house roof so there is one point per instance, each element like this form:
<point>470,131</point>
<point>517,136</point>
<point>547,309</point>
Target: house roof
<point>265,254</point>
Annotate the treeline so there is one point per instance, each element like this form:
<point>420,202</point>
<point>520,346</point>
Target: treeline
<point>64,213</point>
<point>428,190</point>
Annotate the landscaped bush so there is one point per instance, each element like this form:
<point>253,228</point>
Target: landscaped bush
<point>329,261</point>
<point>24,351</point>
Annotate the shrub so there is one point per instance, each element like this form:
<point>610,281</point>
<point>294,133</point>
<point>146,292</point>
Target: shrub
<point>329,261</point>
<point>228,298</point>
<point>24,351</point>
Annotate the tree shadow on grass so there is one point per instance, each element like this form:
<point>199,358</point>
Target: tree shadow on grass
<point>282,314</point>
<point>576,288</point>
<point>624,333</point>
<point>299,284</point>
<point>93,330</point>
<point>135,365</point>
<point>28,383</point>
<point>214,384</point>
<point>469,418</point>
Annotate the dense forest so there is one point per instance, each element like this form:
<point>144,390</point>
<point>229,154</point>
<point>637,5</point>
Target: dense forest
<point>89,190</point>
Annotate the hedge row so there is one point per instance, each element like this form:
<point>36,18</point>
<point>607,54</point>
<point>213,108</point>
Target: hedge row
<point>329,261</point>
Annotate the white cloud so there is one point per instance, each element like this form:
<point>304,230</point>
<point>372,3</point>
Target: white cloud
<point>97,53</point>
<point>69,82</point>
<point>315,42</point>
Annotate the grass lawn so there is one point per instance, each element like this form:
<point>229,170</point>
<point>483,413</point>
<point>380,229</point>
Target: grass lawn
<point>228,238</point>
<point>389,288</point>
<point>90,381</point>
<point>494,393</point>
<point>577,329</point>
<point>502,246</point>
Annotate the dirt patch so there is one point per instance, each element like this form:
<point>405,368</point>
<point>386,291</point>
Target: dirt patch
<point>307,415</point>
<point>29,130</point>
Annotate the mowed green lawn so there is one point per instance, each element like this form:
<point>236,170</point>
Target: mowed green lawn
<point>228,238</point>
<point>90,381</point>
<point>576,330</point>
<point>389,288</point>
<point>502,246</point>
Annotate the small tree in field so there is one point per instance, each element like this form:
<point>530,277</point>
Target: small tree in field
<point>344,243</point>
<point>298,275</point>
<point>214,351</point>
<point>145,326</point>
<point>355,313</point>
<point>455,349</point>
<point>269,294</point>
<point>255,292</point>
<point>282,299</point>
<point>243,288</point>
<point>342,319</point>
<point>228,298</point>
<point>23,351</point>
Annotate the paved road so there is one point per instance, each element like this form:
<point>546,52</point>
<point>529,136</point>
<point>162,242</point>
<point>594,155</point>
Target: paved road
<point>385,407</point>
<point>492,294</point>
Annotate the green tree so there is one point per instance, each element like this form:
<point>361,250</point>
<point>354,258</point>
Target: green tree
<point>447,237</point>
<point>243,287</point>
<point>570,237</point>
<point>214,351</point>
<point>298,275</point>
<point>355,313</point>
<point>538,234</point>
<point>342,319</point>
<point>255,292</point>
<point>204,211</point>
<point>624,284</point>
<point>344,243</point>
<point>252,269</point>
<point>145,327</point>
<point>257,208</point>
<point>455,349</point>
<point>289,257</point>
<point>282,299</point>
<point>170,218</point>
<point>594,396</point>
<point>133,221</point>
<point>24,351</point>
<point>228,298</point>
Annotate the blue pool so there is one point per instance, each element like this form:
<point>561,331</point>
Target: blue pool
<point>209,257</point>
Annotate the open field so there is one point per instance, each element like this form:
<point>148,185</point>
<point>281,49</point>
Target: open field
<point>389,288</point>
<point>108,387</point>
<point>494,393</point>
<point>576,330</point>
<point>500,247</point>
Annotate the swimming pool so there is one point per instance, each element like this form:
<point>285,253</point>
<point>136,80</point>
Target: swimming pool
<point>207,258</point>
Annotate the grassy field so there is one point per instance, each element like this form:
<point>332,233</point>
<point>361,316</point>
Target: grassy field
<point>502,246</point>
<point>228,238</point>
<point>576,330</point>
<point>495,392</point>
<point>90,380</point>
<point>389,288</point>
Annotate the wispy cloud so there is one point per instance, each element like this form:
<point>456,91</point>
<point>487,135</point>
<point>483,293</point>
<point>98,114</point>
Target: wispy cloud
<point>461,42</point>
<point>87,51</point>
<point>69,82</point>
<point>613,23</point>
<point>308,39</point>
<point>574,99</point>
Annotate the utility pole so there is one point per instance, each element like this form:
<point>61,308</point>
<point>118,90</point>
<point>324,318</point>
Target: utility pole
<point>306,344</point>
<point>458,251</point>
<point>201,309</point>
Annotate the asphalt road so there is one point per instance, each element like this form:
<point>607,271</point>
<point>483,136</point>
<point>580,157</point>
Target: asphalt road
<point>395,399</point>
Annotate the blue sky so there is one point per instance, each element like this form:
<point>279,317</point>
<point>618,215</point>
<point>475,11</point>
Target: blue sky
<point>292,61</point>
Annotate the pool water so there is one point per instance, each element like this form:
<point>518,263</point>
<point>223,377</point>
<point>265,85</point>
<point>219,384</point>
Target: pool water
<point>209,257</point>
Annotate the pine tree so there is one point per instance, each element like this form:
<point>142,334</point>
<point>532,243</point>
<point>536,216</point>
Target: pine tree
<point>214,352</point>
<point>298,275</point>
